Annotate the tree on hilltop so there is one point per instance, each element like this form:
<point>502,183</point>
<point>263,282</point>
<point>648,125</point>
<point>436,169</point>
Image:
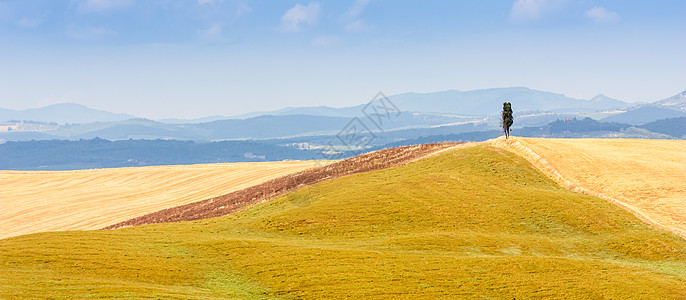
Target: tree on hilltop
<point>508,119</point>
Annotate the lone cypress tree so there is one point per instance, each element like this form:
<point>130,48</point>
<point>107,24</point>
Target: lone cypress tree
<point>507,118</point>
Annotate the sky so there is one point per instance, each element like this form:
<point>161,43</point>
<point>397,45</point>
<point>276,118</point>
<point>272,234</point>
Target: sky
<point>194,58</point>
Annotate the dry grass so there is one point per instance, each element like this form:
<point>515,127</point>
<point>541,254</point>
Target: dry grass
<point>92,199</point>
<point>246,198</point>
<point>646,177</point>
<point>471,223</point>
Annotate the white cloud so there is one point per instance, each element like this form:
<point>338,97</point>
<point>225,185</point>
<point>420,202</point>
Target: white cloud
<point>201,2</point>
<point>602,15</point>
<point>99,6</point>
<point>325,41</point>
<point>293,19</point>
<point>528,10</point>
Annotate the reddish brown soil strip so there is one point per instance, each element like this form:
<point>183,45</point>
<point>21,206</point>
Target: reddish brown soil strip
<point>236,201</point>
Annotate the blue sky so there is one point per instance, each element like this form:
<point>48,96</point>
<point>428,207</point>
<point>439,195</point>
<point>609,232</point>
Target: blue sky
<point>193,58</point>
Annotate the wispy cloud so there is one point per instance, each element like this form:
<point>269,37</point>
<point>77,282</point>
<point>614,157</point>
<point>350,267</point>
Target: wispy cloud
<point>529,10</point>
<point>100,6</point>
<point>201,2</point>
<point>602,15</point>
<point>295,17</point>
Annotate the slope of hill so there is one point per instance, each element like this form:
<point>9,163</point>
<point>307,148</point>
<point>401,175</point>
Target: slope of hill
<point>675,127</point>
<point>63,113</point>
<point>92,199</point>
<point>647,177</point>
<point>477,222</point>
<point>99,153</point>
<point>262,127</point>
<point>347,112</point>
<point>489,101</point>
<point>644,114</point>
<point>230,203</point>
<point>676,102</point>
<point>127,129</point>
<point>474,102</point>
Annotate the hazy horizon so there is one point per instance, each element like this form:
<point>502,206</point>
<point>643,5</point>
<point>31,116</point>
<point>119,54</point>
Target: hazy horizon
<point>219,114</point>
<point>190,59</point>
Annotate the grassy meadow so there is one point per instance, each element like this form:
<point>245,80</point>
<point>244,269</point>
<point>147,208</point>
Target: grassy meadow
<point>476,222</point>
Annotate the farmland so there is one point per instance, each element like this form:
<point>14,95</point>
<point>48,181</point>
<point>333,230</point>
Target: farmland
<point>92,199</point>
<point>471,222</point>
<point>646,177</point>
<point>242,199</point>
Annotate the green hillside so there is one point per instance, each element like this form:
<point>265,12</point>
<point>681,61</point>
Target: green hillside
<point>472,223</point>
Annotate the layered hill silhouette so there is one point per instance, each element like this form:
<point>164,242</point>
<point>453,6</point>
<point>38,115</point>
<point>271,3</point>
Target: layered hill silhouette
<point>63,113</point>
<point>418,111</point>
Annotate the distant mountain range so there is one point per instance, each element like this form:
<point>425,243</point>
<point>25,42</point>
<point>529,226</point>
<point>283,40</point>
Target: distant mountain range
<point>676,102</point>
<point>63,113</point>
<point>100,153</point>
<point>644,114</point>
<point>475,103</point>
<point>489,102</point>
<point>421,111</point>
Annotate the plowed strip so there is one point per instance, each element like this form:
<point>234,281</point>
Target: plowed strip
<point>230,203</point>
<point>91,199</point>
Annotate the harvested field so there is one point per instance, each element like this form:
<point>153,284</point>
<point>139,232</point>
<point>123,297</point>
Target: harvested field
<point>92,199</point>
<point>471,223</point>
<point>241,199</point>
<point>646,177</point>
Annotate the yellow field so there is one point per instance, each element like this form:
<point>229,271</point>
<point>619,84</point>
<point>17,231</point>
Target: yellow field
<point>92,199</point>
<point>646,177</point>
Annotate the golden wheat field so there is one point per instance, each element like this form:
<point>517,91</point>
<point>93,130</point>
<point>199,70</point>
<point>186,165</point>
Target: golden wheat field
<point>646,177</point>
<point>92,199</point>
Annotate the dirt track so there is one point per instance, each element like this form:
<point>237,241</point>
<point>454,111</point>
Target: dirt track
<point>646,177</point>
<point>91,199</point>
<point>238,200</point>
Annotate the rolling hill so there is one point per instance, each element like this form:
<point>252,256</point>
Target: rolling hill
<point>646,177</point>
<point>474,103</point>
<point>260,127</point>
<point>644,114</point>
<point>675,127</point>
<point>55,155</point>
<point>474,222</point>
<point>92,199</point>
<point>676,102</point>
<point>63,113</point>
<point>489,101</point>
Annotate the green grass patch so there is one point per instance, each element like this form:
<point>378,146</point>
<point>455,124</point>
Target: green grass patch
<point>474,223</point>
